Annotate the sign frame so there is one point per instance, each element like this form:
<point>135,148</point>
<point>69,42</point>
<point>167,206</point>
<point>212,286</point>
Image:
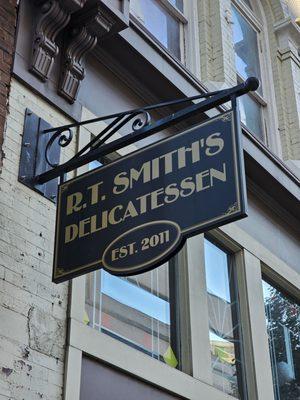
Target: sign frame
<point>60,276</point>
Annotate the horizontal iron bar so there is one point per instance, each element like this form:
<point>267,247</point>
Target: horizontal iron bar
<point>251,84</point>
<point>135,110</point>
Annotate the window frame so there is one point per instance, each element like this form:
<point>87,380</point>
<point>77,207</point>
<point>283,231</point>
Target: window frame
<point>234,267</point>
<point>251,259</point>
<point>291,290</point>
<point>190,54</point>
<point>84,340</point>
<point>261,99</point>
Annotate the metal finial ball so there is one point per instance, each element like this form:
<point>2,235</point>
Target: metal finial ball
<point>252,83</point>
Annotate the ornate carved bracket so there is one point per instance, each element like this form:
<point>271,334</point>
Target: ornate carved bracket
<point>88,27</point>
<point>54,16</point>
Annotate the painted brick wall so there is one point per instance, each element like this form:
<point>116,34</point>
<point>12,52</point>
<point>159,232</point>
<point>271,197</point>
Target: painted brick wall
<point>32,308</point>
<point>295,139</point>
<point>280,67</point>
<point>216,46</point>
<point>8,16</point>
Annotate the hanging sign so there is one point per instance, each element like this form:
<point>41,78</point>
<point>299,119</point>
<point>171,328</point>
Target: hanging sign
<point>135,213</point>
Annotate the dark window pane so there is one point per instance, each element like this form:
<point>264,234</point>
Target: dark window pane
<point>283,325</point>
<point>223,320</point>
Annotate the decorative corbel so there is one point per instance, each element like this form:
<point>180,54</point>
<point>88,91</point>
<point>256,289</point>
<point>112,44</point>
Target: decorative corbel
<point>54,16</point>
<point>88,27</point>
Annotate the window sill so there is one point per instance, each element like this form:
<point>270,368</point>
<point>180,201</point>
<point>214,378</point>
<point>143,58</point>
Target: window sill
<point>261,146</point>
<point>162,60</point>
<point>153,41</point>
<point>119,355</point>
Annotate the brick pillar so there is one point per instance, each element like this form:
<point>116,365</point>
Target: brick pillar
<point>8,17</point>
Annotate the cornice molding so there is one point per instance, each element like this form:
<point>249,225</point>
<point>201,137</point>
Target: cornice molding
<point>87,28</point>
<point>287,30</point>
<point>53,17</point>
<point>84,23</point>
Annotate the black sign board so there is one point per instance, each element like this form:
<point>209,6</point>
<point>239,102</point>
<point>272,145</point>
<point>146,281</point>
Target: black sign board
<point>135,213</point>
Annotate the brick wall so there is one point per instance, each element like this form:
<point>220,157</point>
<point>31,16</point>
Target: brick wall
<point>8,16</point>
<point>33,310</point>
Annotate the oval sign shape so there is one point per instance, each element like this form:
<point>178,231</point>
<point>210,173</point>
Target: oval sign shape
<point>140,247</point>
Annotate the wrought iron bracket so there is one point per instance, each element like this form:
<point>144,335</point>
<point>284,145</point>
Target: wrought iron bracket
<point>40,158</point>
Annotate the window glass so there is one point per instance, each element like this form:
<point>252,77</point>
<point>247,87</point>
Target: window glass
<point>247,64</point>
<point>248,3</point>
<point>283,325</point>
<point>178,4</point>
<point>250,112</point>
<point>223,321</point>
<point>159,22</point>
<point>246,47</point>
<point>135,310</point>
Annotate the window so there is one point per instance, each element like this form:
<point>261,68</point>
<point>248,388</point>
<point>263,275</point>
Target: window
<point>135,310</point>
<point>283,325</point>
<point>141,311</point>
<point>164,19</point>
<point>246,40</point>
<point>224,326</point>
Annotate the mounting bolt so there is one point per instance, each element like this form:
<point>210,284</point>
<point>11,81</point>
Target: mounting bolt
<point>23,177</point>
<point>26,144</point>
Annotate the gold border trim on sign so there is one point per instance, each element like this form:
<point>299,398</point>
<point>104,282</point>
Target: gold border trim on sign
<point>224,117</point>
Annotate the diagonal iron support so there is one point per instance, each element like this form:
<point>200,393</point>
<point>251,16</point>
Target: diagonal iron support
<point>141,128</point>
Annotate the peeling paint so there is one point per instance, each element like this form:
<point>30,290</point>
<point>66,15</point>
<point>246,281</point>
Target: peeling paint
<point>46,333</point>
<point>25,352</point>
<point>7,371</point>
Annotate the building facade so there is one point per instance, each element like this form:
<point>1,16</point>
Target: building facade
<point>221,319</point>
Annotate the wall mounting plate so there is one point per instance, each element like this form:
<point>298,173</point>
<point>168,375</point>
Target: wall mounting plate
<point>32,160</point>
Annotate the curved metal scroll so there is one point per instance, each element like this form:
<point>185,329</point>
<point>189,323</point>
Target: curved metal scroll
<point>141,119</point>
<point>63,141</point>
<point>140,123</point>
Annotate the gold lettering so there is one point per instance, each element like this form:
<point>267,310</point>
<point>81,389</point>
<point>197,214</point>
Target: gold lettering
<point>103,224</point>
<point>71,233</point>
<point>82,225</point>
<point>111,216</point>
<point>120,180</point>
<point>195,149</point>
<point>171,190</point>
<point>73,202</point>
<point>143,202</point>
<point>154,198</point>
<point>130,211</point>
<point>145,170</point>
<point>214,141</point>
<point>199,180</point>
<point>155,168</point>
<point>95,192</point>
<point>168,161</point>
<point>188,187</point>
<point>220,175</point>
<point>114,254</point>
